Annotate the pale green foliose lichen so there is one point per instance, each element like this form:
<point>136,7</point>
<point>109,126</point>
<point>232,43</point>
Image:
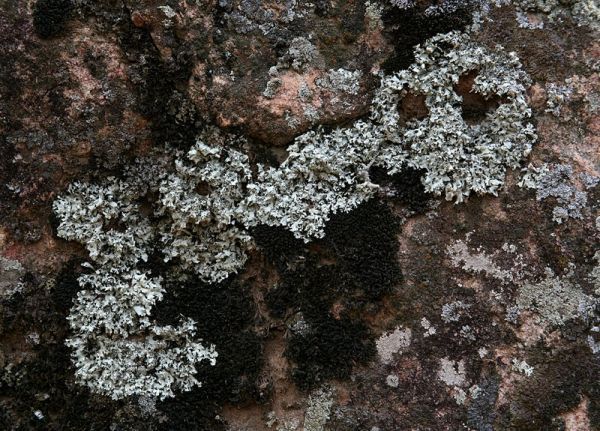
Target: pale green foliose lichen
<point>118,351</point>
<point>318,410</point>
<point>325,173</point>
<point>201,201</point>
<point>459,158</point>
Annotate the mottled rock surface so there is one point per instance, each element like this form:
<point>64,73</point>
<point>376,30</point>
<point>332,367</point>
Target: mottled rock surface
<point>411,313</point>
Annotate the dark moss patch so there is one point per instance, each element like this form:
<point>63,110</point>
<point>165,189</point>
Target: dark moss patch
<point>51,16</point>
<point>278,245</point>
<point>406,28</point>
<point>406,185</point>
<point>225,314</point>
<point>66,286</point>
<point>329,350</point>
<point>190,411</point>
<point>45,383</point>
<point>366,246</point>
<point>174,117</point>
<point>562,378</point>
<point>96,64</point>
<point>335,281</point>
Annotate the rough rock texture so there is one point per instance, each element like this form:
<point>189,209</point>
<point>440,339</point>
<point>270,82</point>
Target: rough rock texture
<point>409,313</point>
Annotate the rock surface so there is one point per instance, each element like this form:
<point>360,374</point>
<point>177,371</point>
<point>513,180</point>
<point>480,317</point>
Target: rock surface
<point>410,313</point>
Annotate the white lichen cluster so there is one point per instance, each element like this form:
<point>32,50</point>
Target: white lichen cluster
<point>393,343</point>
<point>318,409</point>
<point>343,80</point>
<point>522,367</point>
<point>453,311</point>
<point>118,350</point>
<point>557,96</point>
<point>106,219</point>
<point>11,274</point>
<point>402,4</point>
<point>202,202</point>
<point>301,53</point>
<point>459,158</point>
<point>325,173</point>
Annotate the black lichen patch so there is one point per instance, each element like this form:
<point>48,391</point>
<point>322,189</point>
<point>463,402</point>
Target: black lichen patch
<point>51,16</point>
<point>279,245</point>
<point>66,286</point>
<point>38,390</point>
<point>366,247</point>
<point>355,264</point>
<point>407,187</point>
<point>189,411</point>
<point>329,349</point>
<point>225,315</point>
<point>331,286</point>
<point>406,28</point>
<point>45,384</point>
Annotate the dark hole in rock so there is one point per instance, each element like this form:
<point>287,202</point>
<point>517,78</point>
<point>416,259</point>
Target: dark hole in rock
<point>116,225</point>
<point>475,106</point>
<point>203,188</point>
<point>412,107</point>
<point>146,204</point>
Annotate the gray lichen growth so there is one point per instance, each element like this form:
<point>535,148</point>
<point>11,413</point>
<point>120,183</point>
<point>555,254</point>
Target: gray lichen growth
<point>453,311</point>
<point>106,219</point>
<point>555,299</point>
<point>325,173</point>
<point>318,410</point>
<point>558,181</point>
<point>118,351</point>
<point>477,262</point>
<point>557,96</point>
<point>459,158</point>
<point>583,12</point>
<point>202,201</point>
<point>11,273</point>
<point>393,343</point>
<point>301,53</point>
<point>273,86</point>
<point>453,374</point>
<point>341,80</point>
